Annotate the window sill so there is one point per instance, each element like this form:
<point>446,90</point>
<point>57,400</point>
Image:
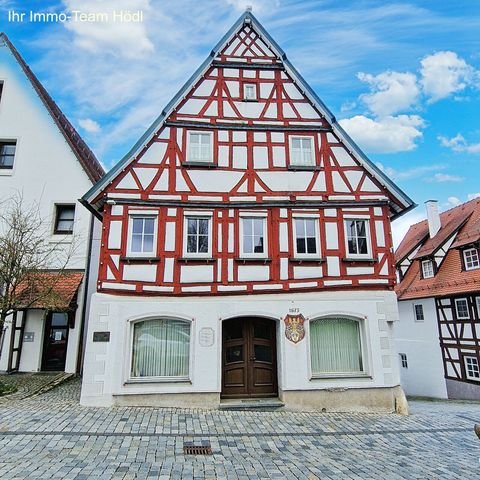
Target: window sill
<point>6,172</point>
<point>253,260</point>
<point>359,260</point>
<point>196,259</point>
<point>301,260</point>
<point>199,164</point>
<point>58,238</point>
<point>340,375</point>
<point>135,381</point>
<point>140,259</point>
<point>304,167</point>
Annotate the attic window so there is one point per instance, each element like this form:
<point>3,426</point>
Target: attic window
<point>427,269</point>
<point>471,258</point>
<point>7,154</point>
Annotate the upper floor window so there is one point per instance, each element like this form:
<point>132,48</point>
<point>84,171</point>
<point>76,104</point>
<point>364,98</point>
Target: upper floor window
<point>142,235</point>
<point>200,147</point>
<point>358,238</point>
<point>301,151</point>
<point>427,269</point>
<point>478,307</point>
<point>472,368</point>
<point>306,236</point>
<point>419,315</point>
<point>403,360</point>
<point>197,238</point>
<point>336,347</point>
<point>7,154</point>
<point>472,259</point>
<point>253,236</point>
<point>461,307</point>
<point>64,219</point>
<point>1,90</point>
<point>249,91</point>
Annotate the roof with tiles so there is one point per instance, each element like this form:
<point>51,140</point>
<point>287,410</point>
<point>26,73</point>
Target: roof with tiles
<point>85,156</point>
<point>462,221</point>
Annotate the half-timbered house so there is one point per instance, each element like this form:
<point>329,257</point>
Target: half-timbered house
<point>246,249</point>
<point>438,335</point>
<point>46,166</point>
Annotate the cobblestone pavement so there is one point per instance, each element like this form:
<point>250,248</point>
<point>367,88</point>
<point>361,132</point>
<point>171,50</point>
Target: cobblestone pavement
<point>28,384</point>
<point>52,437</point>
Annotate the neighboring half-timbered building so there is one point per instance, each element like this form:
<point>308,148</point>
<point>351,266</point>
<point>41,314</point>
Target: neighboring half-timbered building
<point>246,249</point>
<point>438,335</point>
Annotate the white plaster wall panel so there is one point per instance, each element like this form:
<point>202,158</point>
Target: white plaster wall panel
<point>338,184</point>
<point>139,273</point>
<point>467,331</point>
<point>320,185</point>
<point>249,73</point>
<point>284,268</point>
<point>115,260</point>
<point>196,274</point>
<point>354,177</point>
<point>377,211</point>
<point>288,111</point>
<point>243,187</point>
<point>331,233</point>
<point>384,269</point>
<point>205,88</point>
<point>278,137</point>
<point>369,186</point>
<point>292,91</point>
<point>231,72</point>
<point>267,73</point>
<point>180,136</point>
<point>333,266</point>
<point>282,181</point>
<point>212,110</point>
<point>260,157</point>
<point>128,182</point>
<point>231,238</point>
<point>380,233</point>
<point>219,270</point>
<point>266,90</point>
<point>240,157</point>
<point>168,270</point>
<point>164,133</point>
<point>239,136</point>
<point>223,156</point>
<point>223,136</point>
<point>331,138</point>
<point>258,188</point>
<point>336,283</point>
<point>110,275</point>
<point>230,269</point>
<point>214,73</point>
<point>307,272</point>
<point>156,152</point>
<point>330,212</point>
<point>305,110</point>
<point>228,111</point>
<point>283,237</point>
<point>115,235</point>
<point>271,111</point>
<point>170,236</point>
<point>219,239</point>
<point>360,270</point>
<point>181,184</point>
<point>117,209</point>
<point>253,273</point>
<point>192,106</point>
<point>279,159</point>
<point>233,89</point>
<point>283,213</point>
<point>216,181</point>
<point>260,137</point>
<point>145,175</point>
<point>251,109</point>
<point>343,157</point>
<point>171,212</point>
<point>162,183</point>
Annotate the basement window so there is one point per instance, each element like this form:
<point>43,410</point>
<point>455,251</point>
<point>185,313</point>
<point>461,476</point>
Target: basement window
<point>427,269</point>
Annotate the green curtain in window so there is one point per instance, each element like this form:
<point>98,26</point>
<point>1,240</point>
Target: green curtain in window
<point>335,346</point>
<point>161,348</point>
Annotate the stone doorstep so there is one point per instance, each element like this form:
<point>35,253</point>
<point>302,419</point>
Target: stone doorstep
<point>252,404</point>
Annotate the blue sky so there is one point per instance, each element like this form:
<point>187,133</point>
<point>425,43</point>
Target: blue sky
<point>403,78</point>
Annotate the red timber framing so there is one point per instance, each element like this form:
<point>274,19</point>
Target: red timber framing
<point>250,171</point>
<point>458,337</point>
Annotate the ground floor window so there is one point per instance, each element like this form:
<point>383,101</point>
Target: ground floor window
<point>472,368</point>
<point>161,348</point>
<point>335,346</point>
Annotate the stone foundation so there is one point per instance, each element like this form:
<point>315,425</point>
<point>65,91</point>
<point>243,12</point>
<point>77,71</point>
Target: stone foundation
<point>180,400</point>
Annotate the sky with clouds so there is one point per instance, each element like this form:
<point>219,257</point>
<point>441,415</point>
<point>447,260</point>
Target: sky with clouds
<point>402,78</point>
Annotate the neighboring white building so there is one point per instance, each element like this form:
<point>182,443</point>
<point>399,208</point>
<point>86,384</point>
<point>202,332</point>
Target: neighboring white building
<point>44,160</point>
<point>438,334</point>
<point>246,249</point>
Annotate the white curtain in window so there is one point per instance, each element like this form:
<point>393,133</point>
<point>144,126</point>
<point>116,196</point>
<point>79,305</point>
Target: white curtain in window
<point>161,348</point>
<point>335,346</point>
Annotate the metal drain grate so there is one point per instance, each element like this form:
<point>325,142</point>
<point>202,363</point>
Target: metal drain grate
<point>190,449</point>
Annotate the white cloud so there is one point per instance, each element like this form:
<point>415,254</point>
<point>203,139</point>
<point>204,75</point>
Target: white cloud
<point>459,144</point>
<point>471,196</point>
<point>386,135</point>
<point>444,177</point>
<point>414,172</point>
<point>444,73</point>
<point>390,92</point>
<point>257,5</point>
<point>121,39</point>
<point>89,125</point>
<point>453,201</point>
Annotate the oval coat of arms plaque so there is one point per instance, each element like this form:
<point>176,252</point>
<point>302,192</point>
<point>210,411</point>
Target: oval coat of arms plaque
<point>294,329</point>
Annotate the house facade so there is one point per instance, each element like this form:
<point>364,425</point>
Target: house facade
<point>438,335</point>
<point>246,249</point>
<point>45,163</point>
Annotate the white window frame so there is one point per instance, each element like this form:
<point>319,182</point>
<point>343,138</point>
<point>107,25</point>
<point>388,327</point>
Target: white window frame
<point>471,377</point>
<point>474,263</point>
<point>246,87</point>
<point>403,360</point>
<point>415,305</point>
<point>317,254</point>
<point>198,215</point>
<point>457,300</point>
<point>189,148</point>
<point>477,299</point>
<point>141,214</point>
<point>312,151</point>
<point>264,254</point>
<point>425,271</point>
<point>369,241</point>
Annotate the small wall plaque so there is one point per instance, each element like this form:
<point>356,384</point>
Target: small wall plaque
<point>29,336</point>
<point>206,337</point>
<point>101,336</point>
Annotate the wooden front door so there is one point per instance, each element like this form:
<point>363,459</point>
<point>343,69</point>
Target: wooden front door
<point>55,341</point>
<point>249,358</point>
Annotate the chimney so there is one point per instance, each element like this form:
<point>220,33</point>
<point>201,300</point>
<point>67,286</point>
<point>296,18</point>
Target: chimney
<point>433,217</point>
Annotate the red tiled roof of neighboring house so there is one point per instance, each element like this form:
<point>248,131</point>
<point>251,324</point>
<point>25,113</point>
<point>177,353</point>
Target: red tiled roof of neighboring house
<point>81,150</point>
<point>450,279</point>
<point>50,290</point>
